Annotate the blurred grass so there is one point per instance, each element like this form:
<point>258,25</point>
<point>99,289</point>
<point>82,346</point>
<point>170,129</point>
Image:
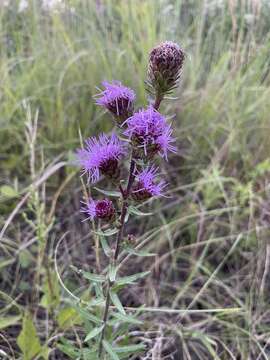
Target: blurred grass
<point>55,59</point>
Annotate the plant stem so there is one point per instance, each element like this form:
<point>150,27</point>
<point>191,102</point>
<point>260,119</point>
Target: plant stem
<point>158,100</point>
<point>125,195</point>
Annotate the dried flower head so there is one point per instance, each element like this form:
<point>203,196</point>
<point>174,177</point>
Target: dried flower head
<point>101,209</point>
<point>150,133</point>
<point>101,156</point>
<point>164,68</point>
<point>118,99</point>
<point>146,184</point>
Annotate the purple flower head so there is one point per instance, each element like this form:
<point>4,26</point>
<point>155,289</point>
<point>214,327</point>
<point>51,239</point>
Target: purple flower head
<point>101,209</point>
<point>118,99</point>
<point>101,156</point>
<point>150,132</point>
<point>146,185</point>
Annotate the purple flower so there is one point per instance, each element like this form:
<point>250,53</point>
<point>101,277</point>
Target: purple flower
<point>118,99</point>
<point>146,185</point>
<point>101,209</point>
<point>101,155</point>
<point>150,132</point>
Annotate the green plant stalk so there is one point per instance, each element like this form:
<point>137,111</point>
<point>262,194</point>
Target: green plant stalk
<point>124,208</point>
<point>119,238</point>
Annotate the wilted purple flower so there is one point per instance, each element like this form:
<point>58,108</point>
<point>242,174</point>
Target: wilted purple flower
<point>101,209</point>
<point>101,156</point>
<point>118,99</point>
<point>165,64</point>
<point>146,185</point>
<point>150,132</point>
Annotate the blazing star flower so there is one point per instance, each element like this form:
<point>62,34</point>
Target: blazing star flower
<point>150,132</point>
<point>118,99</point>
<point>101,209</point>
<point>101,156</point>
<point>146,185</point>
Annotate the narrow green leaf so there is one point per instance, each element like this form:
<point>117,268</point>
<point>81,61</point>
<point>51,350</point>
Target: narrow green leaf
<point>96,302</point>
<point>93,333</point>
<point>112,272</point>
<point>132,278</point>
<point>109,232</point>
<point>105,245</point>
<point>86,315</point>
<point>135,211</point>
<point>99,291</point>
<point>109,193</point>
<point>110,350</point>
<point>129,349</point>
<point>127,318</point>
<point>8,321</point>
<point>116,301</point>
<point>94,277</point>
<point>141,253</point>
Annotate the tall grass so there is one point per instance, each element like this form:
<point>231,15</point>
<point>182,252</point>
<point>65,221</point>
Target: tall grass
<point>211,239</point>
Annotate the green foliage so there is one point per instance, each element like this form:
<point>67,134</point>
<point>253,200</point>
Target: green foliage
<point>28,339</point>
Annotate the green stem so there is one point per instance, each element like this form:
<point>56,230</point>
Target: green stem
<point>125,195</point>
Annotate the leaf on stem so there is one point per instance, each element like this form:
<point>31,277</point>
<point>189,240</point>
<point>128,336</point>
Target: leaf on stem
<point>108,193</point>
<point>142,253</point>
<point>110,350</point>
<point>93,333</point>
<point>108,232</point>
<point>132,278</point>
<point>117,303</point>
<point>127,318</point>
<point>135,211</point>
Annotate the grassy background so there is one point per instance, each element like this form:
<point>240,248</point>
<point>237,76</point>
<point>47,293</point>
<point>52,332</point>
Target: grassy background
<point>211,236</point>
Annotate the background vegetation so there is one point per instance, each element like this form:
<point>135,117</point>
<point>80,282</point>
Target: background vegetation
<point>211,236</point>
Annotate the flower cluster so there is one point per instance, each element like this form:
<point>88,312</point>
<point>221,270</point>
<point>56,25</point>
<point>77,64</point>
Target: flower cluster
<point>146,131</point>
<point>144,136</point>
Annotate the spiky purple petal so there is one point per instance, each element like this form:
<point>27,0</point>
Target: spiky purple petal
<point>150,131</point>
<point>100,155</point>
<point>117,98</point>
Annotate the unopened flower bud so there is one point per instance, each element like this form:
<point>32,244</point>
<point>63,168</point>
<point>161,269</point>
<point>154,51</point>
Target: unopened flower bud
<point>165,64</point>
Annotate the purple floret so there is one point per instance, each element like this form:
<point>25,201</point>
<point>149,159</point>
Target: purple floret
<point>100,155</point>
<point>117,98</point>
<point>101,209</point>
<point>147,185</point>
<point>150,131</point>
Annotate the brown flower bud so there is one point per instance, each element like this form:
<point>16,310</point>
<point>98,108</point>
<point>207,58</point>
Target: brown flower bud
<point>165,64</point>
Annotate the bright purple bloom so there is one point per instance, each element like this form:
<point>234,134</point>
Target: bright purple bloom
<point>101,156</point>
<point>118,99</point>
<point>101,209</point>
<point>146,185</point>
<point>149,130</point>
